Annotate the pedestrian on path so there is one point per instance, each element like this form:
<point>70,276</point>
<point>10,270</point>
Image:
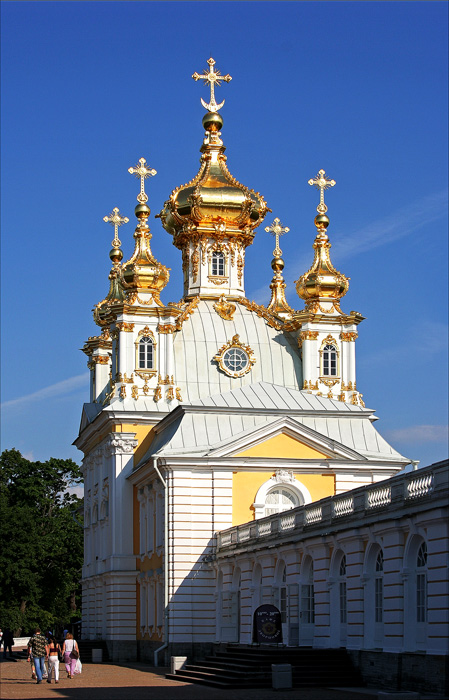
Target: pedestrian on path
<point>37,647</point>
<point>8,641</point>
<point>53,650</point>
<point>71,654</point>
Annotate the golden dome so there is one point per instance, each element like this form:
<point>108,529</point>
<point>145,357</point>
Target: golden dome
<point>322,281</point>
<point>142,272</point>
<point>214,197</point>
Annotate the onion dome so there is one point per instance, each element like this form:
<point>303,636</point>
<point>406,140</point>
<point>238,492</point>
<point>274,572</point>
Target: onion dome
<point>142,272</point>
<point>322,282</point>
<point>116,293</point>
<point>213,197</point>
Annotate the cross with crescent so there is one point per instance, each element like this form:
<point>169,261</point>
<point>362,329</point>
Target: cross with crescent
<point>213,78</point>
<point>321,183</point>
<point>116,220</point>
<point>277,230</point>
<point>143,172</point>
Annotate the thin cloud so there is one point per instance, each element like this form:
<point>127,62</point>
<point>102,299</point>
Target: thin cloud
<point>67,386</point>
<point>399,224</point>
<point>418,434</point>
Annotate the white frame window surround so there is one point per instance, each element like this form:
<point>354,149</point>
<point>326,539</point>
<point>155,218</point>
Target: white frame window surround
<point>283,478</point>
<point>218,264</point>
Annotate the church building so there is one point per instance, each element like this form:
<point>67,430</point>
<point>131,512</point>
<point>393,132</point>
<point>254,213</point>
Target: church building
<point>212,413</point>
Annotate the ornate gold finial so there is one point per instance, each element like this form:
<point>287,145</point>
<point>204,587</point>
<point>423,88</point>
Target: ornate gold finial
<point>143,172</point>
<point>277,230</point>
<point>116,220</point>
<point>321,183</point>
<point>213,78</point>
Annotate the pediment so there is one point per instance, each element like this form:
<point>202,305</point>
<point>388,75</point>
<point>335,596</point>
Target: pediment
<point>288,439</point>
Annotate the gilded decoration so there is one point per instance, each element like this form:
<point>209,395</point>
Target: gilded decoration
<point>234,358</point>
<point>166,380</point>
<point>116,220</point>
<point>263,312</point>
<point>225,309</point>
<point>308,335</point>
<point>348,337</point>
<point>308,385</point>
<point>322,183</point>
<point>329,382</point>
<point>178,394</point>
<point>143,172</point>
<point>218,281</point>
<point>146,332</point>
<point>101,359</point>
<point>212,78</point>
<point>172,327</point>
<point>170,395</point>
<point>157,393</point>
<point>123,392</point>
<point>135,392</point>
<point>125,327</point>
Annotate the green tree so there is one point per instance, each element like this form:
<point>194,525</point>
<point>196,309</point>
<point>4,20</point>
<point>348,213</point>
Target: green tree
<point>42,541</point>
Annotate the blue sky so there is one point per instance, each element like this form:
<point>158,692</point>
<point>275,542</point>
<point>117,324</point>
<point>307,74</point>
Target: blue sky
<point>356,88</point>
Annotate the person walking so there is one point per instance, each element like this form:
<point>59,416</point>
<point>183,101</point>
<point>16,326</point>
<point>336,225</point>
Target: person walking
<point>53,650</point>
<point>71,654</point>
<point>37,647</point>
<point>8,641</point>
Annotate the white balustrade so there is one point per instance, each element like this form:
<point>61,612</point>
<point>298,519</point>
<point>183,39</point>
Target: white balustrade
<point>378,497</point>
<point>343,506</point>
<point>421,486</point>
<point>314,515</point>
<point>288,521</point>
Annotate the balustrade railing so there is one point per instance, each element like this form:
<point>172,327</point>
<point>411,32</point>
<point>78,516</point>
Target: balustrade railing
<point>398,491</point>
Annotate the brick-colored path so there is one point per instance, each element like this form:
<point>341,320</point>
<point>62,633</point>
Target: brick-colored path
<point>135,681</point>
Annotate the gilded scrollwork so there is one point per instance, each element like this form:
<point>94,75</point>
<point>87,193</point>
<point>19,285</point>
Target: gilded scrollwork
<point>225,309</point>
<point>348,337</point>
<point>157,393</point>
<point>125,327</point>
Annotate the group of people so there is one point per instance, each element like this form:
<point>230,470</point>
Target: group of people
<point>43,648</point>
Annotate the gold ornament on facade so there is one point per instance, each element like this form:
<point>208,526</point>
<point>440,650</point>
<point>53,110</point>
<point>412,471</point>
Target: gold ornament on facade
<point>262,312</point>
<point>235,358</point>
<point>212,78</point>
<point>170,395</point>
<point>101,359</point>
<point>308,335</point>
<point>170,327</point>
<point>123,392</point>
<point>178,394</point>
<point>225,309</point>
<point>157,393</point>
<point>308,384</point>
<point>342,397</point>
<point>348,337</point>
<point>135,392</point>
<point>329,382</point>
<point>166,380</point>
<point>125,327</point>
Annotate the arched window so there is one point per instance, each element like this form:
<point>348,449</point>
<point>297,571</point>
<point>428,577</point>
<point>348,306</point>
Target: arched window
<point>421,584</point>
<point>329,361</point>
<point>146,353</point>
<point>342,591</point>
<point>279,499</point>
<point>218,264</point>
<point>379,588</point>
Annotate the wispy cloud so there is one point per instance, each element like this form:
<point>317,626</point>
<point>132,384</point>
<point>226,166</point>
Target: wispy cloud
<point>431,340</point>
<point>417,434</point>
<point>58,389</point>
<point>400,223</point>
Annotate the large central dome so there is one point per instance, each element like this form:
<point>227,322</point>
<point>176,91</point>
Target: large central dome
<point>213,197</point>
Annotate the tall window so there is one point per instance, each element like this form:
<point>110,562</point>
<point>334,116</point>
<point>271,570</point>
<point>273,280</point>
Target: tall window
<point>342,591</point>
<point>218,264</point>
<point>308,599</point>
<point>146,353</point>
<point>379,588</point>
<point>280,499</point>
<point>421,584</point>
<point>329,361</point>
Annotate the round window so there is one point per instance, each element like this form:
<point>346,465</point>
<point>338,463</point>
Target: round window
<point>235,360</point>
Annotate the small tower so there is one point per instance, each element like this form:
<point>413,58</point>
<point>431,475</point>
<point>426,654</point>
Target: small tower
<point>212,218</point>
<point>278,305</point>
<point>327,336</point>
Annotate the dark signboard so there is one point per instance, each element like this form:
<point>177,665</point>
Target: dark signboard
<point>267,625</point>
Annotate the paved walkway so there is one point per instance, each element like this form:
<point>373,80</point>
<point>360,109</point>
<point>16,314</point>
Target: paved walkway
<point>135,681</point>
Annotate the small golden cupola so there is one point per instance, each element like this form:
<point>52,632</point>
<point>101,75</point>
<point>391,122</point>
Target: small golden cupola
<point>322,286</point>
<point>278,304</point>
<point>142,274</point>
<point>213,217</point>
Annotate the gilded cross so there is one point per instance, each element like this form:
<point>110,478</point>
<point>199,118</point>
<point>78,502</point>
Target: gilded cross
<point>321,183</point>
<point>143,172</point>
<point>116,220</point>
<point>276,229</point>
<point>213,78</point>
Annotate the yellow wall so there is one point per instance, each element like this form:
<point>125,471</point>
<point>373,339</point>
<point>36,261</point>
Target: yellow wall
<point>283,446</point>
<point>245,485</point>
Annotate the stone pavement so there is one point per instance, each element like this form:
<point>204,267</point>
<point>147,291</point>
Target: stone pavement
<point>135,681</point>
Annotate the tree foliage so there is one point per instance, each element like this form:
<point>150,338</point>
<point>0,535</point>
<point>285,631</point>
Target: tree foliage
<point>42,541</point>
